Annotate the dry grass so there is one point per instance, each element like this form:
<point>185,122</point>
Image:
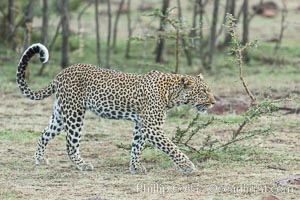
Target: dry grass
<point>21,120</point>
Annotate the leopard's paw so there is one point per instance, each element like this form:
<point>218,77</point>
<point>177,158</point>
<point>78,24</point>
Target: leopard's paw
<point>38,161</point>
<point>85,167</point>
<point>137,169</point>
<point>186,167</point>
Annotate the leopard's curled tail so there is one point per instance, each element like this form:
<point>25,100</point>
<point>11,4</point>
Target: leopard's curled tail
<point>27,55</point>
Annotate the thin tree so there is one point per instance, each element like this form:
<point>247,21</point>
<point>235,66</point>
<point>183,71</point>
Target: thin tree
<point>81,29</point>
<point>115,31</point>
<point>64,9</point>
<point>108,35</point>
<point>11,22</point>
<point>40,73</point>
<point>226,10</point>
<point>184,44</point>
<point>161,41</point>
<point>193,31</point>
<point>231,10</point>
<point>245,23</point>
<point>98,46</point>
<point>29,12</point>
<point>213,35</point>
<point>284,13</point>
<point>129,28</point>
<point>44,36</point>
<point>201,41</point>
<point>45,22</point>
<point>245,29</point>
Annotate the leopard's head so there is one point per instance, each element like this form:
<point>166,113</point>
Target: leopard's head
<point>195,92</point>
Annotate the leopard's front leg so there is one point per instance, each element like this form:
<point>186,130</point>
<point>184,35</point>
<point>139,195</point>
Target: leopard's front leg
<point>159,140</point>
<point>152,131</point>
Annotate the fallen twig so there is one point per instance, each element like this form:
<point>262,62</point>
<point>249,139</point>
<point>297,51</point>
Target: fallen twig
<point>290,110</point>
<point>276,167</point>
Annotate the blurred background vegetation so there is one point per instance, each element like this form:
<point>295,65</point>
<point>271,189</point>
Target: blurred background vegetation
<point>136,36</point>
<point>171,36</point>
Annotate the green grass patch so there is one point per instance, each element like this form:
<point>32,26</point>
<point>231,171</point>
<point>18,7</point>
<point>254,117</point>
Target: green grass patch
<point>118,158</point>
<point>18,135</point>
<point>151,155</point>
<point>6,194</point>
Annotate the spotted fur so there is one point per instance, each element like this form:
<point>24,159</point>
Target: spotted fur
<point>141,98</point>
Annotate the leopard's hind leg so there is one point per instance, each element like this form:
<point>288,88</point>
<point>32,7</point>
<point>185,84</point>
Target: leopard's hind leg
<point>54,128</point>
<point>73,121</point>
<point>138,144</point>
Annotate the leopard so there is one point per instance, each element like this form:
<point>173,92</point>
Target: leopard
<point>143,99</point>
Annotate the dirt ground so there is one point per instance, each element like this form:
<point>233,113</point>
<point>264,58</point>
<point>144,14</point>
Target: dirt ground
<point>253,176</point>
<point>21,120</point>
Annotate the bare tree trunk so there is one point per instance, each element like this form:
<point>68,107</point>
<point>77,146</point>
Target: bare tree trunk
<point>44,36</point>
<point>213,35</point>
<point>129,28</point>
<point>28,29</point>
<point>245,29</point>
<point>97,33</point>
<point>28,23</point>
<point>40,73</point>
<point>108,35</point>
<point>45,22</point>
<point>80,30</point>
<point>194,24</point>
<point>115,32</point>
<point>245,23</point>
<point>184,45</point>
<point>226,10</point>
<point>284,13</point>
<point>231,5</point>
<point>55,35</point>
<point>177,52</point>
<point>11,21</point>
<point>161,41</point>
<point>201,42</point>
<point>65,33</point>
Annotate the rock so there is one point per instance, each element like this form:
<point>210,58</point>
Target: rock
<point>266,9</point>
<point>237,106</point>
<point>270,197</point>
<point>293,180</point>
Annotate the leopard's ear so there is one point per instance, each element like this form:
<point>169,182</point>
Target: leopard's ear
<point>200,76</point>
<point>186,82</point>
